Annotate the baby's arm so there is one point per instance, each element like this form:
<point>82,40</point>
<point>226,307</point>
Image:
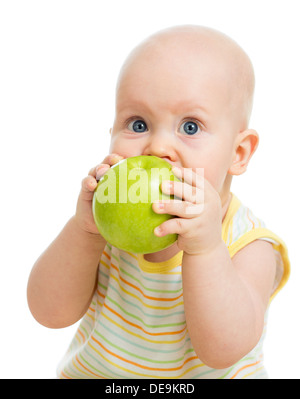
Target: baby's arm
<point>224,299</point>
<point>63,279</point>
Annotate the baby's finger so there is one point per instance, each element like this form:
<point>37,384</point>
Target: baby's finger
<point>93,172</point>
<point>88,184</point>
<point>182,209</point>
<point>101,170</point>
<point>189,176</point>
<point>173,226</point>
<point>112,159</point>
<point>184,191</point>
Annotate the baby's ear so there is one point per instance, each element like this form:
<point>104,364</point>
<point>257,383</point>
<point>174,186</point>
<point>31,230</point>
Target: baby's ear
<point>245,146</point>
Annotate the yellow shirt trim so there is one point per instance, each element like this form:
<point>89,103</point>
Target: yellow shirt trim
<point>168,265</point>
<point>245,239</point>
<point>228,220</point>
<point>160,267</point>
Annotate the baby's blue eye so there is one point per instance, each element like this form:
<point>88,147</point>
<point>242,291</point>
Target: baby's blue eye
<point>189,128</point>
<point>138,126</point>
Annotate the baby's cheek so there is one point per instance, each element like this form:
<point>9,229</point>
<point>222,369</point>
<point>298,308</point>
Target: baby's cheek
<point>118,147</point>
<point>216,178</point>
<point>125,148</point>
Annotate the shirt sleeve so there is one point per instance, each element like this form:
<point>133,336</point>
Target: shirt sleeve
<point>244,228</point>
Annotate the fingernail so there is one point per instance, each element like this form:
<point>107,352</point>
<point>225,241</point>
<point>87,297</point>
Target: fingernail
<point>157,231</point>
<point>116,159</point>
<point>167,185</point>
<point>160,205</point>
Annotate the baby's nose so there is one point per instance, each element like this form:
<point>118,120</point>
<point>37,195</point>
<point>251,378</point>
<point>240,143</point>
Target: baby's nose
<point>161,145</point>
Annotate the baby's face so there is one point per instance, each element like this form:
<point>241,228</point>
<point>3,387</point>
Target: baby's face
<point>179,106</point>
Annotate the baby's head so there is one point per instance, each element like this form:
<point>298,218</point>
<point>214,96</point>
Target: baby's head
<point>185,94</point>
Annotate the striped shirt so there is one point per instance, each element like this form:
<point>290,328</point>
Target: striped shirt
<point>135,326</point>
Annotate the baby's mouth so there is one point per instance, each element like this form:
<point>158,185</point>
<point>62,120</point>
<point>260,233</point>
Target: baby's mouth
<point>169,161</point>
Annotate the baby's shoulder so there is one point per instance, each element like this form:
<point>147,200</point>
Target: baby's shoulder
<point>242,227</point>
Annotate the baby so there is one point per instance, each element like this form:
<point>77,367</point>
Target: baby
<point>196,309</point>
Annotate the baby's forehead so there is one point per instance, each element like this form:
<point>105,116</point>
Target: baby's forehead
<point>193,51</point>
<point>187,46</point>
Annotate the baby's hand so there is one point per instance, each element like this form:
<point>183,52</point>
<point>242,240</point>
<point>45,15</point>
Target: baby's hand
<point>198,210</point>
<point>84,213</point>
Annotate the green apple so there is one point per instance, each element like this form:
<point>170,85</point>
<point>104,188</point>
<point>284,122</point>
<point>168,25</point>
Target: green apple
<point>122,204</point>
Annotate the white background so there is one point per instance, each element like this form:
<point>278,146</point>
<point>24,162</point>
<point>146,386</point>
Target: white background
<point>58,65</point>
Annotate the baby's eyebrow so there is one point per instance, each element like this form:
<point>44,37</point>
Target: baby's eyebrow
<point>194,109</point>
<point>134,107</point>
<point>179,107</point>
